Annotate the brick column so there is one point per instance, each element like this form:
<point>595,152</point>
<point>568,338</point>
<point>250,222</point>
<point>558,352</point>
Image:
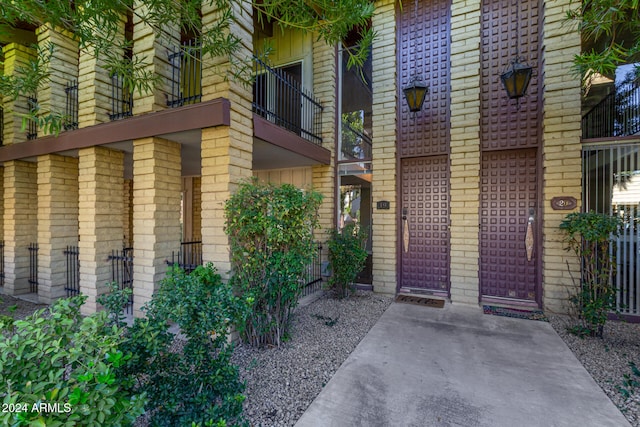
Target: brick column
<point>154,48</point>
<point>57,221</point>
<point>100,188</point>
<point>156,213</point>
<point>324,87</point>
<point>384,233</point>
<point>94,87</point>
<point>465,150</point>
<point>20,223</point>
<point>562,160</point>
<point>15,56</point>
<point>226,151</point>
<point>63,68</point>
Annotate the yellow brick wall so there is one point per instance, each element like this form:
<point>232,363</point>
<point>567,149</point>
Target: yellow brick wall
<point>101,207</point>
<point>383,185</point>
<point>299,177</point>
<point>153,48</point>
<point>465,150</point>
<point>94,87</point>
<point>561,149</point>
<point>324,88</point>
<point>63,69</point>
<point>127,218</point>
<point>196,205</point>
<point>15,56</point>
<point>226,152</point>
<point>157,186</point>
<point>20,223</point>
<point>57,221</point>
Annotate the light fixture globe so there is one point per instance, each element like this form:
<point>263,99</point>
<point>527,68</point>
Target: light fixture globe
<point>516,77</point>
<point>415,93</point>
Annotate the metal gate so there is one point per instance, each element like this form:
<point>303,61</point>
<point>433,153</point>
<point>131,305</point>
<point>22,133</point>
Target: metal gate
<point>611,185</point>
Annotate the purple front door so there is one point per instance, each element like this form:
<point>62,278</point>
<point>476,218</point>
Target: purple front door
<point>508,211</point>
<point>424,231</point>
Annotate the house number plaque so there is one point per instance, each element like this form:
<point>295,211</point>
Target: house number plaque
<point>564,203</point>
<point>383,204</point>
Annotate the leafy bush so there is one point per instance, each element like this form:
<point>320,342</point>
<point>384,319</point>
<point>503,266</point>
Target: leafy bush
<point>60,368</point>
<point>190,381</point>
<point>347,257</point>
<point>590,236</point>
<point>270,231</point>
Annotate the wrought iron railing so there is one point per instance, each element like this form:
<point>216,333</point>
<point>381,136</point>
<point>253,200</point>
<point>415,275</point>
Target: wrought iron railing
<point>122,271</point>
<point>186,75</point>
<point>1,262</point>
<point>312,278</point>
<point>121,99</point>
<point>189,257</point>
<point>32,125</point>
<point>72,271</point>
<point>71,107</point>
<point>618,114</point>
<point>33,268</point>
<point>281,99</point>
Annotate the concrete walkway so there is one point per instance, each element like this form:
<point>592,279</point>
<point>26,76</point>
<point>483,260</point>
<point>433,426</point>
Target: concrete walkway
<point>455,366</point>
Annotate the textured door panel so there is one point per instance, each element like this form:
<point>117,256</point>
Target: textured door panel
<point>504,126</point>
<point>425,199</point>
<point>424,50</point>
<point>508,191</point>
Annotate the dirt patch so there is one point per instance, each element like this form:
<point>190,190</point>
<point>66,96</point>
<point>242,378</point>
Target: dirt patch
<point>17,308</point>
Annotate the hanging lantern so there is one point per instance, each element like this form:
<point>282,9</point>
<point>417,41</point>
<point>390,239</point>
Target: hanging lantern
<point>415,93</point>
<point>516,77</point>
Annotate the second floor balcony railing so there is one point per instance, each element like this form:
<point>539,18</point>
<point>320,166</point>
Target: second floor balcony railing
<point>71,107</point>
<point>616,115</point>
<point>186,75</point>
<point>280,98</point>
<point>121,99</point>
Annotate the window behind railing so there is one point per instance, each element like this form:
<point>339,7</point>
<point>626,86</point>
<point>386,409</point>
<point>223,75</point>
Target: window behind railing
<point>32,125</point>
<point>121,99</point>
<point>186,75</point>
<point>278,96</point>
<point>71,106</point>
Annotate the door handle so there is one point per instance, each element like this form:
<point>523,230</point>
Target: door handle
<point>529,239</point>
<point>405,230</point>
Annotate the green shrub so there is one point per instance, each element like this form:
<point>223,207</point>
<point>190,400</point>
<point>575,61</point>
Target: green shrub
<point>590,236</point>
<point>347,257</point>
<point>68,366</point>
<point>270,232</point>
<point>190,381</point>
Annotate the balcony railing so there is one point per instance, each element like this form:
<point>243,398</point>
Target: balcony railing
<point>32,125</point>
<point>71,107</point>
<point>279,98</point>
<point>186,75</point>
<point>121,99</point>
<point>618,114</point>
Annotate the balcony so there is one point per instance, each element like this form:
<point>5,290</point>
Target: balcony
<point>278,97</point>
<point>616,115</point>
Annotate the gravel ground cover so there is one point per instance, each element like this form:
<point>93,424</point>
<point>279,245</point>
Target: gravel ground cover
<point>282,382</point>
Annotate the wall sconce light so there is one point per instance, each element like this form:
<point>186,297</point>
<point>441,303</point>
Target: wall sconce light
<point>517,75</point>
<point>415,93</point>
